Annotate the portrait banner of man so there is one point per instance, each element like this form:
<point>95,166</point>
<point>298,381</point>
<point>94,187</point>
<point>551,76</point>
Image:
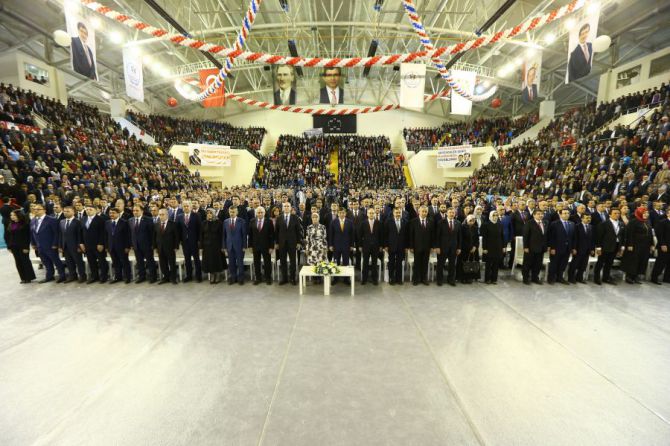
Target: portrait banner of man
<point>531,71</point>
<point>454,156</point>
<point>82,45</point>
<point>332,86</point>
<point>580,48</point>
<point>285,85</point>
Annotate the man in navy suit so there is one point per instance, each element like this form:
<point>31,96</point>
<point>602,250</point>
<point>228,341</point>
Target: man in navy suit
<point>579,64</point>
<point>560,242</point>
<point>584,245</point>
<point>331,93</point>
<point>118,245</point>
<point>94,244</point>
<point>395,245</point>
<point>72,245</point>
<point>142,236</point>
<point>83,61</point>
<point>188,226</point>
<point>529,93</point>
<point>288,234</point>
<point>370,239</point>
<point>44,238</point>
<point>234,242</point>
<point>448,246</point>
<point>341,239</point>
<point>261,241</point>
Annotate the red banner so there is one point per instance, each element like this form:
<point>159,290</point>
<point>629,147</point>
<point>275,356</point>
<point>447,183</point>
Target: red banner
<point>218,99</point>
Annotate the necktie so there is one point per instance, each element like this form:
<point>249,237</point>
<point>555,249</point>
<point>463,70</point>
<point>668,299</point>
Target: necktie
<point>423,223</point>
<point>88,56</point>
<point>260,225</point>
<point>397,225</point>
<point>286,218</point>
<point>541,227</point>
<point>451,225</point>
<point>586,52</point>
<point>333,97</point>
<point>163,226</point>
<point>113,227</point>
<point>186,219</point>
<point>565,226</point>
<point>232,226</point>
<point>67,224</point>
<point>137,225</point>
<point>341,225</point>
<point>371,226</point>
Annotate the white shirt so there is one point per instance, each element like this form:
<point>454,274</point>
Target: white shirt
<point>285,96</point>
<point>335,93</point>
<point>39,223</point>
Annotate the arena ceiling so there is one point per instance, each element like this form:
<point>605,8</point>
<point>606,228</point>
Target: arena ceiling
<point>334,28</point>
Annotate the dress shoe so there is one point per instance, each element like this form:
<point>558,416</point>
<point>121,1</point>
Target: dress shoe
<point>439,283</point>
<point>162,281</point>
<point>425,282</point>
<point>69,279</point>
<point>375,283</point>
<point>610,282</point>
<point>61,280</point>
<point>488,282</point>
<point>230,282</point>
<point>294,282</point>
<point>637,281</point>
<point>128,281</point>
<point>90,281</point>
<point>199,280</point>
<point>572,281</point>
<point>175,282</point>
<point>597,281</point>
<point>537,282</point>
<point>415,283</point>
<point>494,283</point>
<point>103,280</point>
<point>630,281</point>
<point>140,280</point>
<point>283,282</point>
<point>563,282</point>
<point>549,282</point>
<point>82,280</point>
<point>269,282</point>
<point>582,281</point>
<point>656,282</point>
<point>152,280</point>
<point>526,282</point>
<point>241,281</point>
<point>391,282</point>
<point>256,282</point>
<point>188,279</point>
<point>363,282</point>
<point>112,282</point>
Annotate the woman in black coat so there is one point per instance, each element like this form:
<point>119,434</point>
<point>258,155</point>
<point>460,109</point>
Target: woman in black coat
<point>211,240</point>
<point>18,242</point>
<point>469,248</point>
<point>638,243</point>
<point>493,247</point>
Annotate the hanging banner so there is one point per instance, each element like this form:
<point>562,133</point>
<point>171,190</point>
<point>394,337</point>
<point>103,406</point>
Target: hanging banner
<point>218,99</point>
<point>209,155</point>
<point>82,44</point>
<point>466,80</point>
<point>454,156</point>
<point>132,72</point>
<point>285,85</point>
<point>412,85</point>
<point>531,71</point>
<point>580,48</point>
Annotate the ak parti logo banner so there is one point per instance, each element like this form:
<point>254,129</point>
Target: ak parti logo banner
<point>218,99</point>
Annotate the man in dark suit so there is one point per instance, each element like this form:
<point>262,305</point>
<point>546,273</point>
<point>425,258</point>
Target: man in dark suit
<point>357,216</point>
<point>44,235</point>
<point>599,216</point>
<point>370,240</point>
<point>529,93</point>
<point>72,246</point>
<point>448,247</point>
<point>166,242</point>
<point>341,239</point>
<point>579,64</point>
<point>583,247</point>
<point>609,239</point>
<point>118,245</point>
<point>83,61</point>
<point>560,240</point>
<point>94,244</point>
<point>142,235</point>
<point>234,242</point>
<point>395,245</point>
<point>188,226</point>
<point>261,240</point>
<point>662,230</point>
<point>331,93</point>
<point>534,246</point>
<point>421,243</point>
<point>284,94</point>
<point>194,160</point>
<point>288,233</point>
<point>327,219</point>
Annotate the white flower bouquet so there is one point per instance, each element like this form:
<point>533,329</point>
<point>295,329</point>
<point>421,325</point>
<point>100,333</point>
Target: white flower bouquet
<point>326,268</point>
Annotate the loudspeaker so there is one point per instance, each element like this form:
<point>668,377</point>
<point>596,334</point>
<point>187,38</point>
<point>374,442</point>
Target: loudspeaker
<point>371,52</point>
<point>293,50</point>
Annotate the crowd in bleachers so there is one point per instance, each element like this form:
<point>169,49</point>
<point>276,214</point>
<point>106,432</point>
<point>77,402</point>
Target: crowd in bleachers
<point>482,131</point>
<point>167,130</point>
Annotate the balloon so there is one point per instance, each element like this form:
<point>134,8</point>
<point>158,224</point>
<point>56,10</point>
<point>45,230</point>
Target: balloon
<point>496,102</point>
<point>172,102</point>
<point>62,38</point>
<point>601,43</point>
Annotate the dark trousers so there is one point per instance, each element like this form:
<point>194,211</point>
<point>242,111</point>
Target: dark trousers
<point>341,257</point>
<point>604,264</point>
<point>395,266</point>
<point>167,259</point>
<point>661,264</point>
<point>192,256</point>
<point>267,265</point>
<point>120,264</point>
<point>75,263</point>
<point>235,265</point>
<point>23,265</point>
<point>578,266</point>
<point>491,271</point>
<point>97,263</point>
<point>420,270</point>
<point>357,258</point>
<point>557,264</point>
<point>370,263</point>
<point>532,265</point>
<point>442,257</point>
<point>144,259</point>
<point>282,255</point>
<point>51,259</point>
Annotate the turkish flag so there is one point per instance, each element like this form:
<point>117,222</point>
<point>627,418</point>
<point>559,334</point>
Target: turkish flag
<point>218,98</point>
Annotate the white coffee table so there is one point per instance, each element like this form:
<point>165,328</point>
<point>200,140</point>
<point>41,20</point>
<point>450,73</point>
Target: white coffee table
<point>306,271</point>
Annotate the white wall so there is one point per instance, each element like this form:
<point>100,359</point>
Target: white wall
<point>243,165</point>
<point>607,90</point>
<point>135,130</point>
<point>389,123</point>
<point>12,72</point>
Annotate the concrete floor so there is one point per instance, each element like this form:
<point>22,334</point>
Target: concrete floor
<point>229,365</point>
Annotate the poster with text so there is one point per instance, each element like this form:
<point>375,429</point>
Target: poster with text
<point>580,46</point>
<point>209,155</point>
<point>454,156</point>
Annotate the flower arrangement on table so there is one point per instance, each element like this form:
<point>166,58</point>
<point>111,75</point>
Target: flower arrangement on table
<point>326,268</point>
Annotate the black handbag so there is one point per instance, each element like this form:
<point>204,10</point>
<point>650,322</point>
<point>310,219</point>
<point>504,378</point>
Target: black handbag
<point>471,267</point>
